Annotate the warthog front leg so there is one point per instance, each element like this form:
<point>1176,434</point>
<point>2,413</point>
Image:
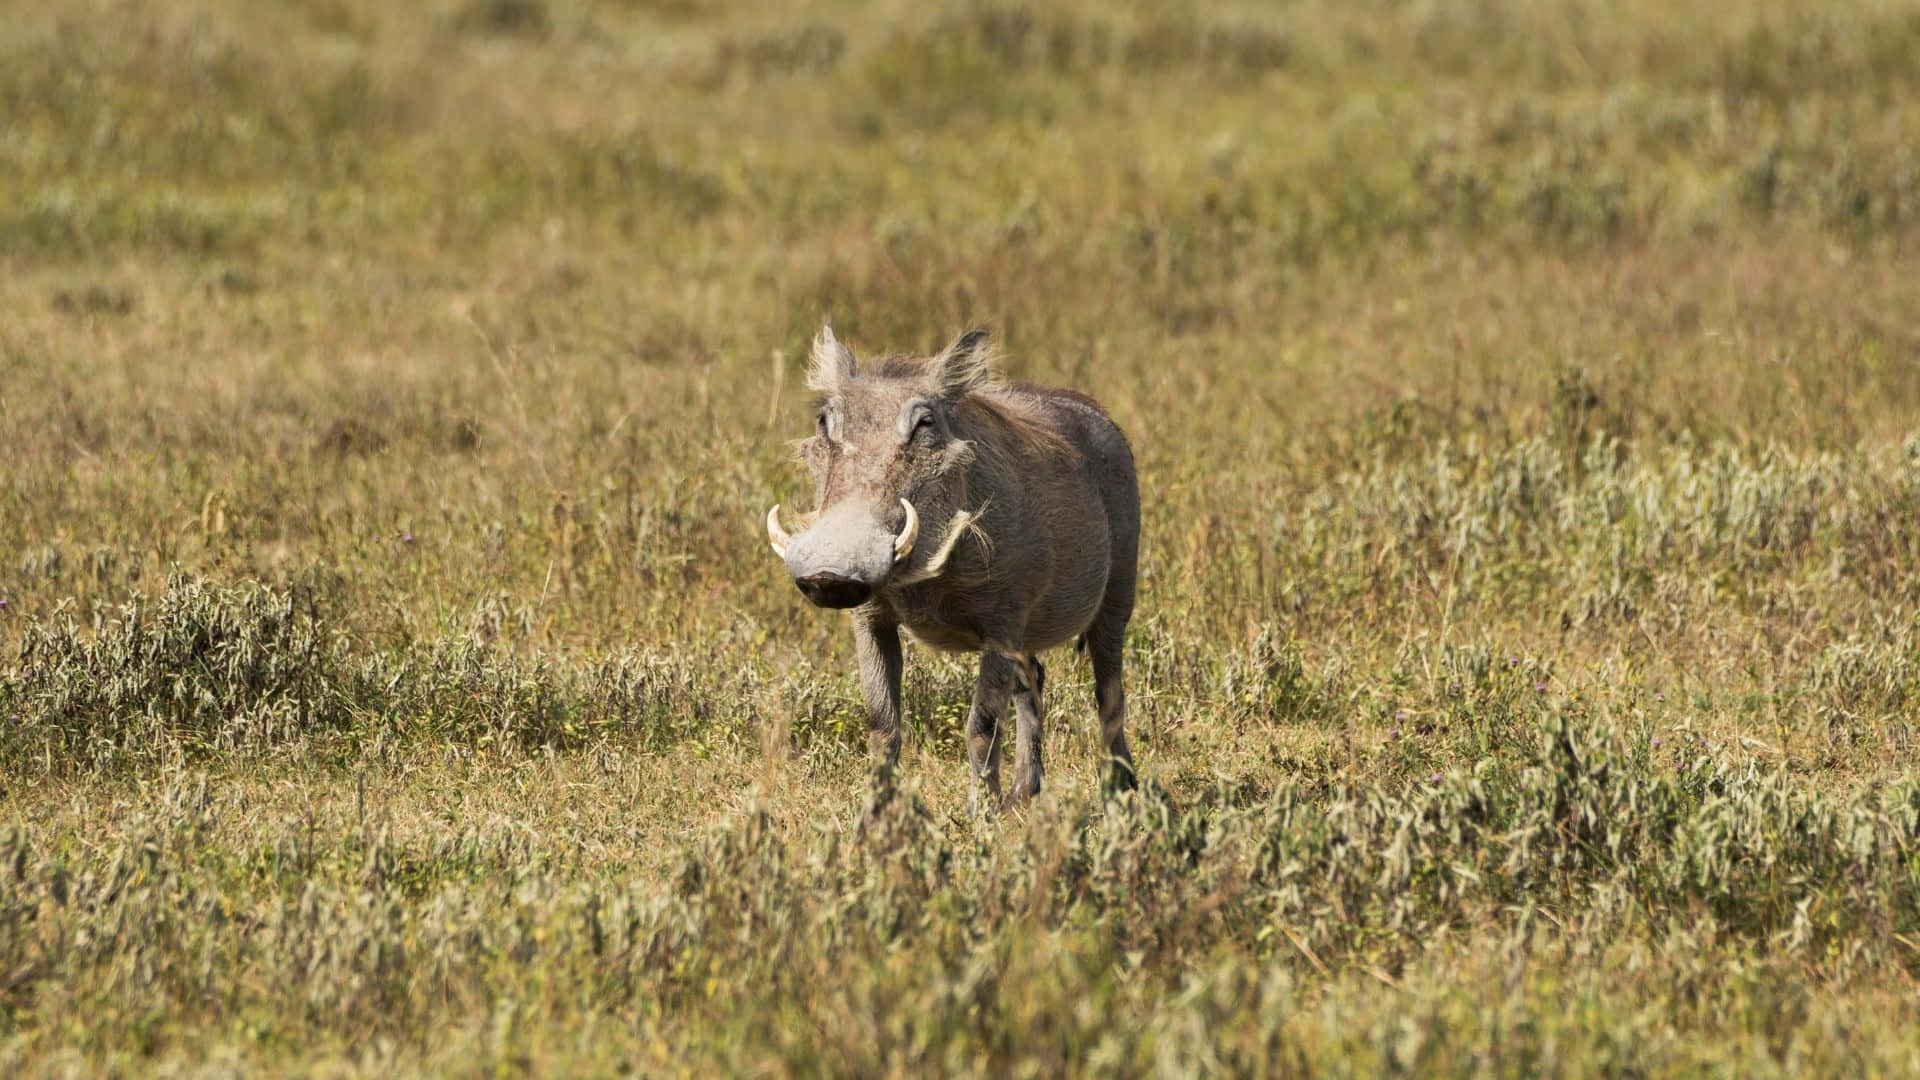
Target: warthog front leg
<point>986,728</point>
<point>1028,730</point>
<point>878,646</point>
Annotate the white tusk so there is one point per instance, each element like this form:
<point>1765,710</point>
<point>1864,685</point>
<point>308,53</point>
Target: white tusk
<point>775,534</point>
<point>903,544</point>
<point>938,562</point>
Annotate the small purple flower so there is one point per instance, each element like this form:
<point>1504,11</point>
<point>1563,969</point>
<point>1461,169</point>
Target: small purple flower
<point>1658,696</point>
<point>1399,714</point>
<point>407,539</point>
<point>1703,740</point>
<point>1513,661</point>
<point>1656,742</point>
<point>1396,731</point>
<point>1434,779</point>
<point>3,602</point>
<point>1453,688</point>
<point>1539,688</point>
<point>1681,765</point>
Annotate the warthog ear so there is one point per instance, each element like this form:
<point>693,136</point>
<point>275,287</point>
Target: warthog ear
<point>962,367</point>
<point>832,363</point>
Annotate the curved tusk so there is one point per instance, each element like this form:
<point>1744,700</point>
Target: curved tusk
<point>903,544</point>
<point>937,562</point>
<point>775,534</point>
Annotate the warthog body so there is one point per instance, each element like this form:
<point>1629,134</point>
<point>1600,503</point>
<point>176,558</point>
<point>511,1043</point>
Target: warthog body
<point>979,516</point>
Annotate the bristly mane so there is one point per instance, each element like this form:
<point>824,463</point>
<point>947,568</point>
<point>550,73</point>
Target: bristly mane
<point>901,366</point>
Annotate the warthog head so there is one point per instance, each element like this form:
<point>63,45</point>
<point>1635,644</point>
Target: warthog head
<point>889,468</point>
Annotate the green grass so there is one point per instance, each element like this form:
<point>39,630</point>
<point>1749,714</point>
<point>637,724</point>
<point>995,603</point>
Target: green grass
<point>393,675</point>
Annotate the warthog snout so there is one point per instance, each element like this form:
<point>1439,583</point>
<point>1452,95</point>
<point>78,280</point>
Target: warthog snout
<point>845,555</point>
<point>834,591</point>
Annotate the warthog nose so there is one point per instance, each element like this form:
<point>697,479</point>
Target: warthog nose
<point>834,591</point>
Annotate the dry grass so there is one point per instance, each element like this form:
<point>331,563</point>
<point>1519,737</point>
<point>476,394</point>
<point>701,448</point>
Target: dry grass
<point>1525,400</point>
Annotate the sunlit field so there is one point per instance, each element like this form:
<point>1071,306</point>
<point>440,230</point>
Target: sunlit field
<point>394,676</point>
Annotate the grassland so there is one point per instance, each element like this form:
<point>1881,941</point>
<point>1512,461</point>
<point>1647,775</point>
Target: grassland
<point>395,679</point>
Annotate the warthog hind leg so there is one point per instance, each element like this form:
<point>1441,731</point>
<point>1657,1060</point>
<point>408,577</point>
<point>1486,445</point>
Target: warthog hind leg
<point>1105,643</point>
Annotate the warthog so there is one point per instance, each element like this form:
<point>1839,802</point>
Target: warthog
<point>1028,501</point>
